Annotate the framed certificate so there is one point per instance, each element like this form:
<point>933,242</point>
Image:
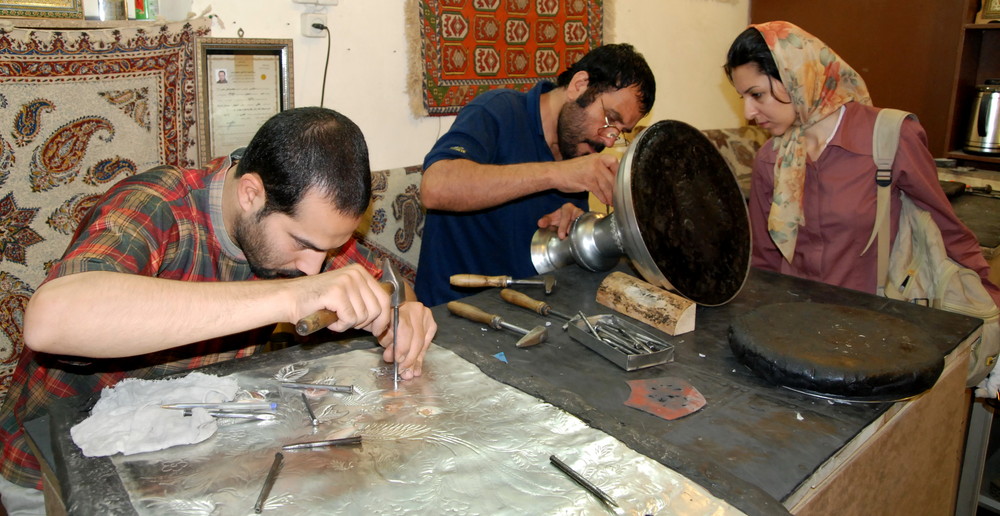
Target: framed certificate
<point>241,83</point>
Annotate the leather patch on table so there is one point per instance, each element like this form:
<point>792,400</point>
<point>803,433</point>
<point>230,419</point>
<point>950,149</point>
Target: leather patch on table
<point>669,398</point>
<point>837,350</point>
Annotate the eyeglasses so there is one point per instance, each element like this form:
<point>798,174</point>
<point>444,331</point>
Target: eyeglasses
<point>609,130</point>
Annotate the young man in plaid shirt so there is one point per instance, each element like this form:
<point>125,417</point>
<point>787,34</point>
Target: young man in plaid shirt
<point>157,278</point>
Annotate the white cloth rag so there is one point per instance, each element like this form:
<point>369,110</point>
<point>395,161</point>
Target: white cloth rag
<point>128,417</point>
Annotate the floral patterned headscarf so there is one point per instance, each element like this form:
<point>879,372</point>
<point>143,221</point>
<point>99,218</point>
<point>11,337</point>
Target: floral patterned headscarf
<point>819,83</point>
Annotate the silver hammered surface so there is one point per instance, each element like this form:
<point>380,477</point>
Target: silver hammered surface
<point>452,441</point>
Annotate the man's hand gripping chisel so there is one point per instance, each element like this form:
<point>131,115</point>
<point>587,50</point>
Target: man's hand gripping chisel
<point>392,284</point>
<point>472,313</point>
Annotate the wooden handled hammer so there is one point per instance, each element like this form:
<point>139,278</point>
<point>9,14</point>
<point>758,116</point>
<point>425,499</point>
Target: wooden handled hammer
<point>391,283</point>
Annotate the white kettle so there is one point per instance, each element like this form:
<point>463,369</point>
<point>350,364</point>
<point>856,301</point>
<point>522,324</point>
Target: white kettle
<point>984,123</point>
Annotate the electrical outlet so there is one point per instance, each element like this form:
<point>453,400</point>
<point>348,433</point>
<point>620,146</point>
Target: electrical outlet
<point>308,19</point>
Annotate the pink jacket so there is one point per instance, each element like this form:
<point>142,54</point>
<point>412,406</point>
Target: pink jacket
<point>839,205</point>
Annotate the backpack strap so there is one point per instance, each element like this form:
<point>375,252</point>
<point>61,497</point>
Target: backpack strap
<point>885,141</point>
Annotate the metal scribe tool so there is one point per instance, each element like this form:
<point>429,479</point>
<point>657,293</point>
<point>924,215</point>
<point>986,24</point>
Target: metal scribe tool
<point>309,409</point>
<point>343,389</point>
<point>321,444</point>
<point>586,484</point>
<point>272,475</point>
<point>395,349</point>
<point>239,406</point>
<point>260,416</point>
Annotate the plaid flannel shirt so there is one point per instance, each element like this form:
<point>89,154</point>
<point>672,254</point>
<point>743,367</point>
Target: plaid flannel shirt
<point>158,223</point>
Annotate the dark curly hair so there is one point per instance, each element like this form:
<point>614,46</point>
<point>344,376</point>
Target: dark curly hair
<point>311,147</point>
<point>613,67</point>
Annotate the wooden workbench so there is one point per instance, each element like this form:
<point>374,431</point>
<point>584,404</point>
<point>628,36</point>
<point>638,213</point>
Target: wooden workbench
<point>764,449</point>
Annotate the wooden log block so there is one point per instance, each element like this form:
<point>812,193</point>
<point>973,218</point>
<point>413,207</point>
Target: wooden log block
<point>663,310</point>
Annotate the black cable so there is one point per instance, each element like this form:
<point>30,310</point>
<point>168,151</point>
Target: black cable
<point>322,94</point>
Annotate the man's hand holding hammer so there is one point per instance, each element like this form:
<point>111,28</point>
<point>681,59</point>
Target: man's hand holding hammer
<point>351,298</point>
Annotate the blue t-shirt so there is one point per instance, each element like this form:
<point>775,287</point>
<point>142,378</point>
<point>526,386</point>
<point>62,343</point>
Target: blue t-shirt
<point>499,127</point>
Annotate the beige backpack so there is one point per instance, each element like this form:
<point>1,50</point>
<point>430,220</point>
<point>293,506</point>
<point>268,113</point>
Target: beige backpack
<point>918,269</point>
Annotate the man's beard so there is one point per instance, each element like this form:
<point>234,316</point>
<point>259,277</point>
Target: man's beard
<point>251,240</point>
<point>571,118</point>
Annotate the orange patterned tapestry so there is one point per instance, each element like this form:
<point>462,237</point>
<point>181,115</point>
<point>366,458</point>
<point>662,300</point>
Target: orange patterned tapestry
<point>470,46</point>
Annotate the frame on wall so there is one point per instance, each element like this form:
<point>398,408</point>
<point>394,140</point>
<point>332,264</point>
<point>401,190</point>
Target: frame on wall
<point>241,83</point>
<point>42,8</point>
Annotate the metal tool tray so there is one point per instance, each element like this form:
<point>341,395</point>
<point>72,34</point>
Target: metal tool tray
<point>579,331</point>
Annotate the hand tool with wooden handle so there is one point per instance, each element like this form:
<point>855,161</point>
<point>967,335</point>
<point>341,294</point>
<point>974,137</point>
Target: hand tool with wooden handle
<point>392,284</point>
<point>524,301</point>
<point>320,319</point>
<point>478,280</point>
<point>472,313</point>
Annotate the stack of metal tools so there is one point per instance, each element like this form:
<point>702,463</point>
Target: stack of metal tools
<point>608,335</point>
<point>622,343</point>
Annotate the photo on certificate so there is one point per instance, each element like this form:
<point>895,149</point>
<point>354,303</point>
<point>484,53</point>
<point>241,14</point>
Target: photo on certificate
<point>241,83</point>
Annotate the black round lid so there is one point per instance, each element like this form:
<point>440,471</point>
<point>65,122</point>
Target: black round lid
<point>690,212</point>
<point>842,351</point>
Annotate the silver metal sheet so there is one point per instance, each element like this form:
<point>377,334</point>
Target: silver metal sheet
<point>453,441</point>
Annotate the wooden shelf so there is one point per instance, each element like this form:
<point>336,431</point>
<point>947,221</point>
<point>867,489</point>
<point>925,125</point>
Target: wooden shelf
<point>978,59</point>
<point>965,156</point>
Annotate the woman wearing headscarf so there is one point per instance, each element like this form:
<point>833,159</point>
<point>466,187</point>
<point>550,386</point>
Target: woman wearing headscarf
<point>813,194</point>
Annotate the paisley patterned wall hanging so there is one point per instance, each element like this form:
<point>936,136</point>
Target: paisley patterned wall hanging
<point>80,110</point>
<point>393,226</point>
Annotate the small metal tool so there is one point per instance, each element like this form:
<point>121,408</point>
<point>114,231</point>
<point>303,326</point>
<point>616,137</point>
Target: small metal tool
<point>530,338</point>
<point>614,332</point>
<point>239,406</point>
<point>262,416</point>
<point>309,409</point>
<point>343,389</point>
<point>524,301</point>
<point>356,439</point>
<point>272,475</point>
<point>586,484</point>
<point>591,326</point>
<point>478,280</point>
<point>395,348</point>
<point>617,342</point>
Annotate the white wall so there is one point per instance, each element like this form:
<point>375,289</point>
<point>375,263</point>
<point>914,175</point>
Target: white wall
<point>684,42</point>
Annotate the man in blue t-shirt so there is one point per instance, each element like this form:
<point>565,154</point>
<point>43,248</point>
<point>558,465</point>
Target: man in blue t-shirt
<point>514,162</point>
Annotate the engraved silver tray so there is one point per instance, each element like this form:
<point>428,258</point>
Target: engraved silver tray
<point>452,441</point>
